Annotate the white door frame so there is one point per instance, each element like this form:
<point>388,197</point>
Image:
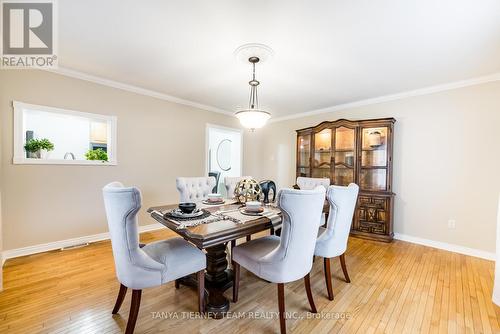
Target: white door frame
<point>210,125</point>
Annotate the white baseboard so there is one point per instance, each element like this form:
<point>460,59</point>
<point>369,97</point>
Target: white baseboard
<point>445,246</point>
<point>12,253</point>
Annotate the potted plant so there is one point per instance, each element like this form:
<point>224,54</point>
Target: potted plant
<point>38,148</point>
<point>97,154</point>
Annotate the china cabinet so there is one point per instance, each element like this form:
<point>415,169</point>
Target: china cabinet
<point>354,151</point>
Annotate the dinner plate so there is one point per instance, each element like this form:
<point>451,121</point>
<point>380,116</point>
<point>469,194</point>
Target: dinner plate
<point>213,203</point>
<point>178,213</point>
<point>243,211</point>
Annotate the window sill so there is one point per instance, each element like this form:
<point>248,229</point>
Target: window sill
<point>30,161</point>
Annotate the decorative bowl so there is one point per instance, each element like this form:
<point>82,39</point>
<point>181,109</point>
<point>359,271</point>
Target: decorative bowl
<point>214,197</point>
<point>253,206</point>
<point>187,207</point>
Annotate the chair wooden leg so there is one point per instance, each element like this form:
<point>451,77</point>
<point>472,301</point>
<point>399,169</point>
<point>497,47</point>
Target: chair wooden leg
<point>328,278</point>
<point>344,268</point>
<point>201,291</point>
<point>233,244</point>
<point>281,307</point>
<point>307,283</point>
<point>249,237</point>
<point>177,284</point>
<point>236,281</point>
<point>119,299</point>
<point>271,232</point>
<point>134,311</point>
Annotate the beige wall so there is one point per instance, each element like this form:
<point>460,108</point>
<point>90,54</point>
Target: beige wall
<point>157,141</point>
<point>445,161</point>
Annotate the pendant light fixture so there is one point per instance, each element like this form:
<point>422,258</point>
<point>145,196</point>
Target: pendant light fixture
<point>253,117</point>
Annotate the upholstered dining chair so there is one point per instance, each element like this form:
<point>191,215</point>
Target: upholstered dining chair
<point>152,265</point>
<point>194,189</point>
<point>230,182</point>
<point>289,257</point>
<point>332,240</point>
<point>308,183</point>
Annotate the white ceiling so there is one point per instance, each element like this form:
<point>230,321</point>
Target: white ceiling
<point>326,52</point>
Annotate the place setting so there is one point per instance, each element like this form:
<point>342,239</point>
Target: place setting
<point>188,215</point>
<point>214,199</point>
<point>252,208</point>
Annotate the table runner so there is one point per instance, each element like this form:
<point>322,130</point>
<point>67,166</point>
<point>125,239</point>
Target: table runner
<point>270,211</point>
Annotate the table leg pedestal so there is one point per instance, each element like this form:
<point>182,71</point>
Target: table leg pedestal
<point>218,278</point>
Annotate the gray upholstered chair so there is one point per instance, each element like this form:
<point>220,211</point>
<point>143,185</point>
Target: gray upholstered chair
<point>230,182</point>
<point>289,257</point>
<point>308,183</point>
<point>332,240</point>
<point>195,189</point>
<point>152,265</point>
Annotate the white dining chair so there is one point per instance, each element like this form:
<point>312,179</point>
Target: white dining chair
<point>308,183</point>
<point>154,264</point>
<point>230,183</point>
<point>289,257</point>
<point>332,240</point>
<point>194,189</point>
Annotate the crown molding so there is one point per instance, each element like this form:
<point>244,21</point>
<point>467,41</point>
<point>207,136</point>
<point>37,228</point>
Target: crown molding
<point>393,97</point>
<point>135,89</point>
<point>385,98</point>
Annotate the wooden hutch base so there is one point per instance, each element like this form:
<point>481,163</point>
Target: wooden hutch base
<point>354,152</point>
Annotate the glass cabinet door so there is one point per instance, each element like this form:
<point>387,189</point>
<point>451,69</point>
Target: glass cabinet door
<point>374,158</point>
<point>322,153</point>
<point>303,155</point>
<point>344,156</point>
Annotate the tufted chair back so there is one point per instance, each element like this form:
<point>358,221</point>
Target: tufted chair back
<point>308,183</point>
<point>134,268</point>
<point>194,189</point>
<point>231,182</point>
<point>333,242</point>
<point>301,213</point>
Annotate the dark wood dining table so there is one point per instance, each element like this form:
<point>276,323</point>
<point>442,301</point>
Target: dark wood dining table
<point>213,238</point>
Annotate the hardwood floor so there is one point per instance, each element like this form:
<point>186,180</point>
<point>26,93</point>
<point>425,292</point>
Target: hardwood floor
<point>395,288</point>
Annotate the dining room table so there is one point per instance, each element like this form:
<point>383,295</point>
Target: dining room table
<point>222,224</point>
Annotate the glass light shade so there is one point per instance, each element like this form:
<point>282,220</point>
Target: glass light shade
<point>253,118</point>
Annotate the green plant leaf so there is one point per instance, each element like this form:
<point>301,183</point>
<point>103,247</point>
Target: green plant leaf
<point>97,154</point>
<point>34,145</point>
